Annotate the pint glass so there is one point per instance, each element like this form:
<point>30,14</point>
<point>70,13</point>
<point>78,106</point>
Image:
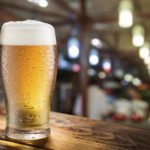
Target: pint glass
<point>29,73</point>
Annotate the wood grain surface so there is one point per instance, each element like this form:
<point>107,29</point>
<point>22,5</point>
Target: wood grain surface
<point>78,133</point>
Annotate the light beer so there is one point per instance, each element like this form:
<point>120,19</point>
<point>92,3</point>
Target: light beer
<point>29,73</point>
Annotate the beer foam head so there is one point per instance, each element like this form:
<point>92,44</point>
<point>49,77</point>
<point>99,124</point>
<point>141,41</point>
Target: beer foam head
<point>29,32</point>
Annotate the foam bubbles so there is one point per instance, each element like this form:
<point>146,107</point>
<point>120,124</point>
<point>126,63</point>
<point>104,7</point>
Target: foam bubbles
<point>29,32</point>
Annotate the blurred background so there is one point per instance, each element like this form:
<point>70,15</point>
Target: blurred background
<point>103,55</point>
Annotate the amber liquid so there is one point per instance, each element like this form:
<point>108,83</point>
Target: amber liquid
<point>29,74</point>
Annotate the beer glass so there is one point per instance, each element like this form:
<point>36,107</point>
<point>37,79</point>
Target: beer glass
<point>29,73</point>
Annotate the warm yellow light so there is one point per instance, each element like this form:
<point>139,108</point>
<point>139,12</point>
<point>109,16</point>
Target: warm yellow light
<point>125,14</point>
<point>144,51</point>
<point>138,35</point>
<point>147,61</point>
<point>138,40</point>
<point>125,19</point>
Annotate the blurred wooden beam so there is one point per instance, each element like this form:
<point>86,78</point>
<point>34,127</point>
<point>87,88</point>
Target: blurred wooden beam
<point>7,16</point>
<point>84,42</point>
<point>145,15</point>
<point>60,22</point>
<point>83,9</point>
<point>66,7</point>
<point>114,18</point>
<point>31,10</point>
<point>104,19</point>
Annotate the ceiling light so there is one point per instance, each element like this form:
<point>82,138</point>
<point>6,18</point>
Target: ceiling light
<point>144,51</point>
<point>138,35</point>
<point>73,51</point>
<point>96,42</point>
<point>93,57</point>
<point>93,60</point>
<point>125,14</point>
<point>125,23</point>
<point>147,60</point>
<point>43,3</point>
<point>73,48</point>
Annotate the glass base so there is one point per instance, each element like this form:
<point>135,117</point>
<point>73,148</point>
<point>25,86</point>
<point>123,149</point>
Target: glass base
<point>27,134</point>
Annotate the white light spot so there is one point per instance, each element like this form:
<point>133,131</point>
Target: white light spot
<point>73,51</point>
<point>136,81</point>
<point>43,3</point>
<point>125,18</point>
<point>138,40</point>
<point>102,75</point>
<point>144,52</point>
<point>93,60</point>
<point>73,47</point>
<point>96,42</point>
<point>147,60</point>
<point>128,77</point>
<point>94,57</point>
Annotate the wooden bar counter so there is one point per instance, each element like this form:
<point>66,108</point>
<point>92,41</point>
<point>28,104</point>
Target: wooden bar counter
<point>78,133</point>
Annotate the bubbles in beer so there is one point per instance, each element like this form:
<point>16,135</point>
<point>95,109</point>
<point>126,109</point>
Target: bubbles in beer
<point>31,83</point>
